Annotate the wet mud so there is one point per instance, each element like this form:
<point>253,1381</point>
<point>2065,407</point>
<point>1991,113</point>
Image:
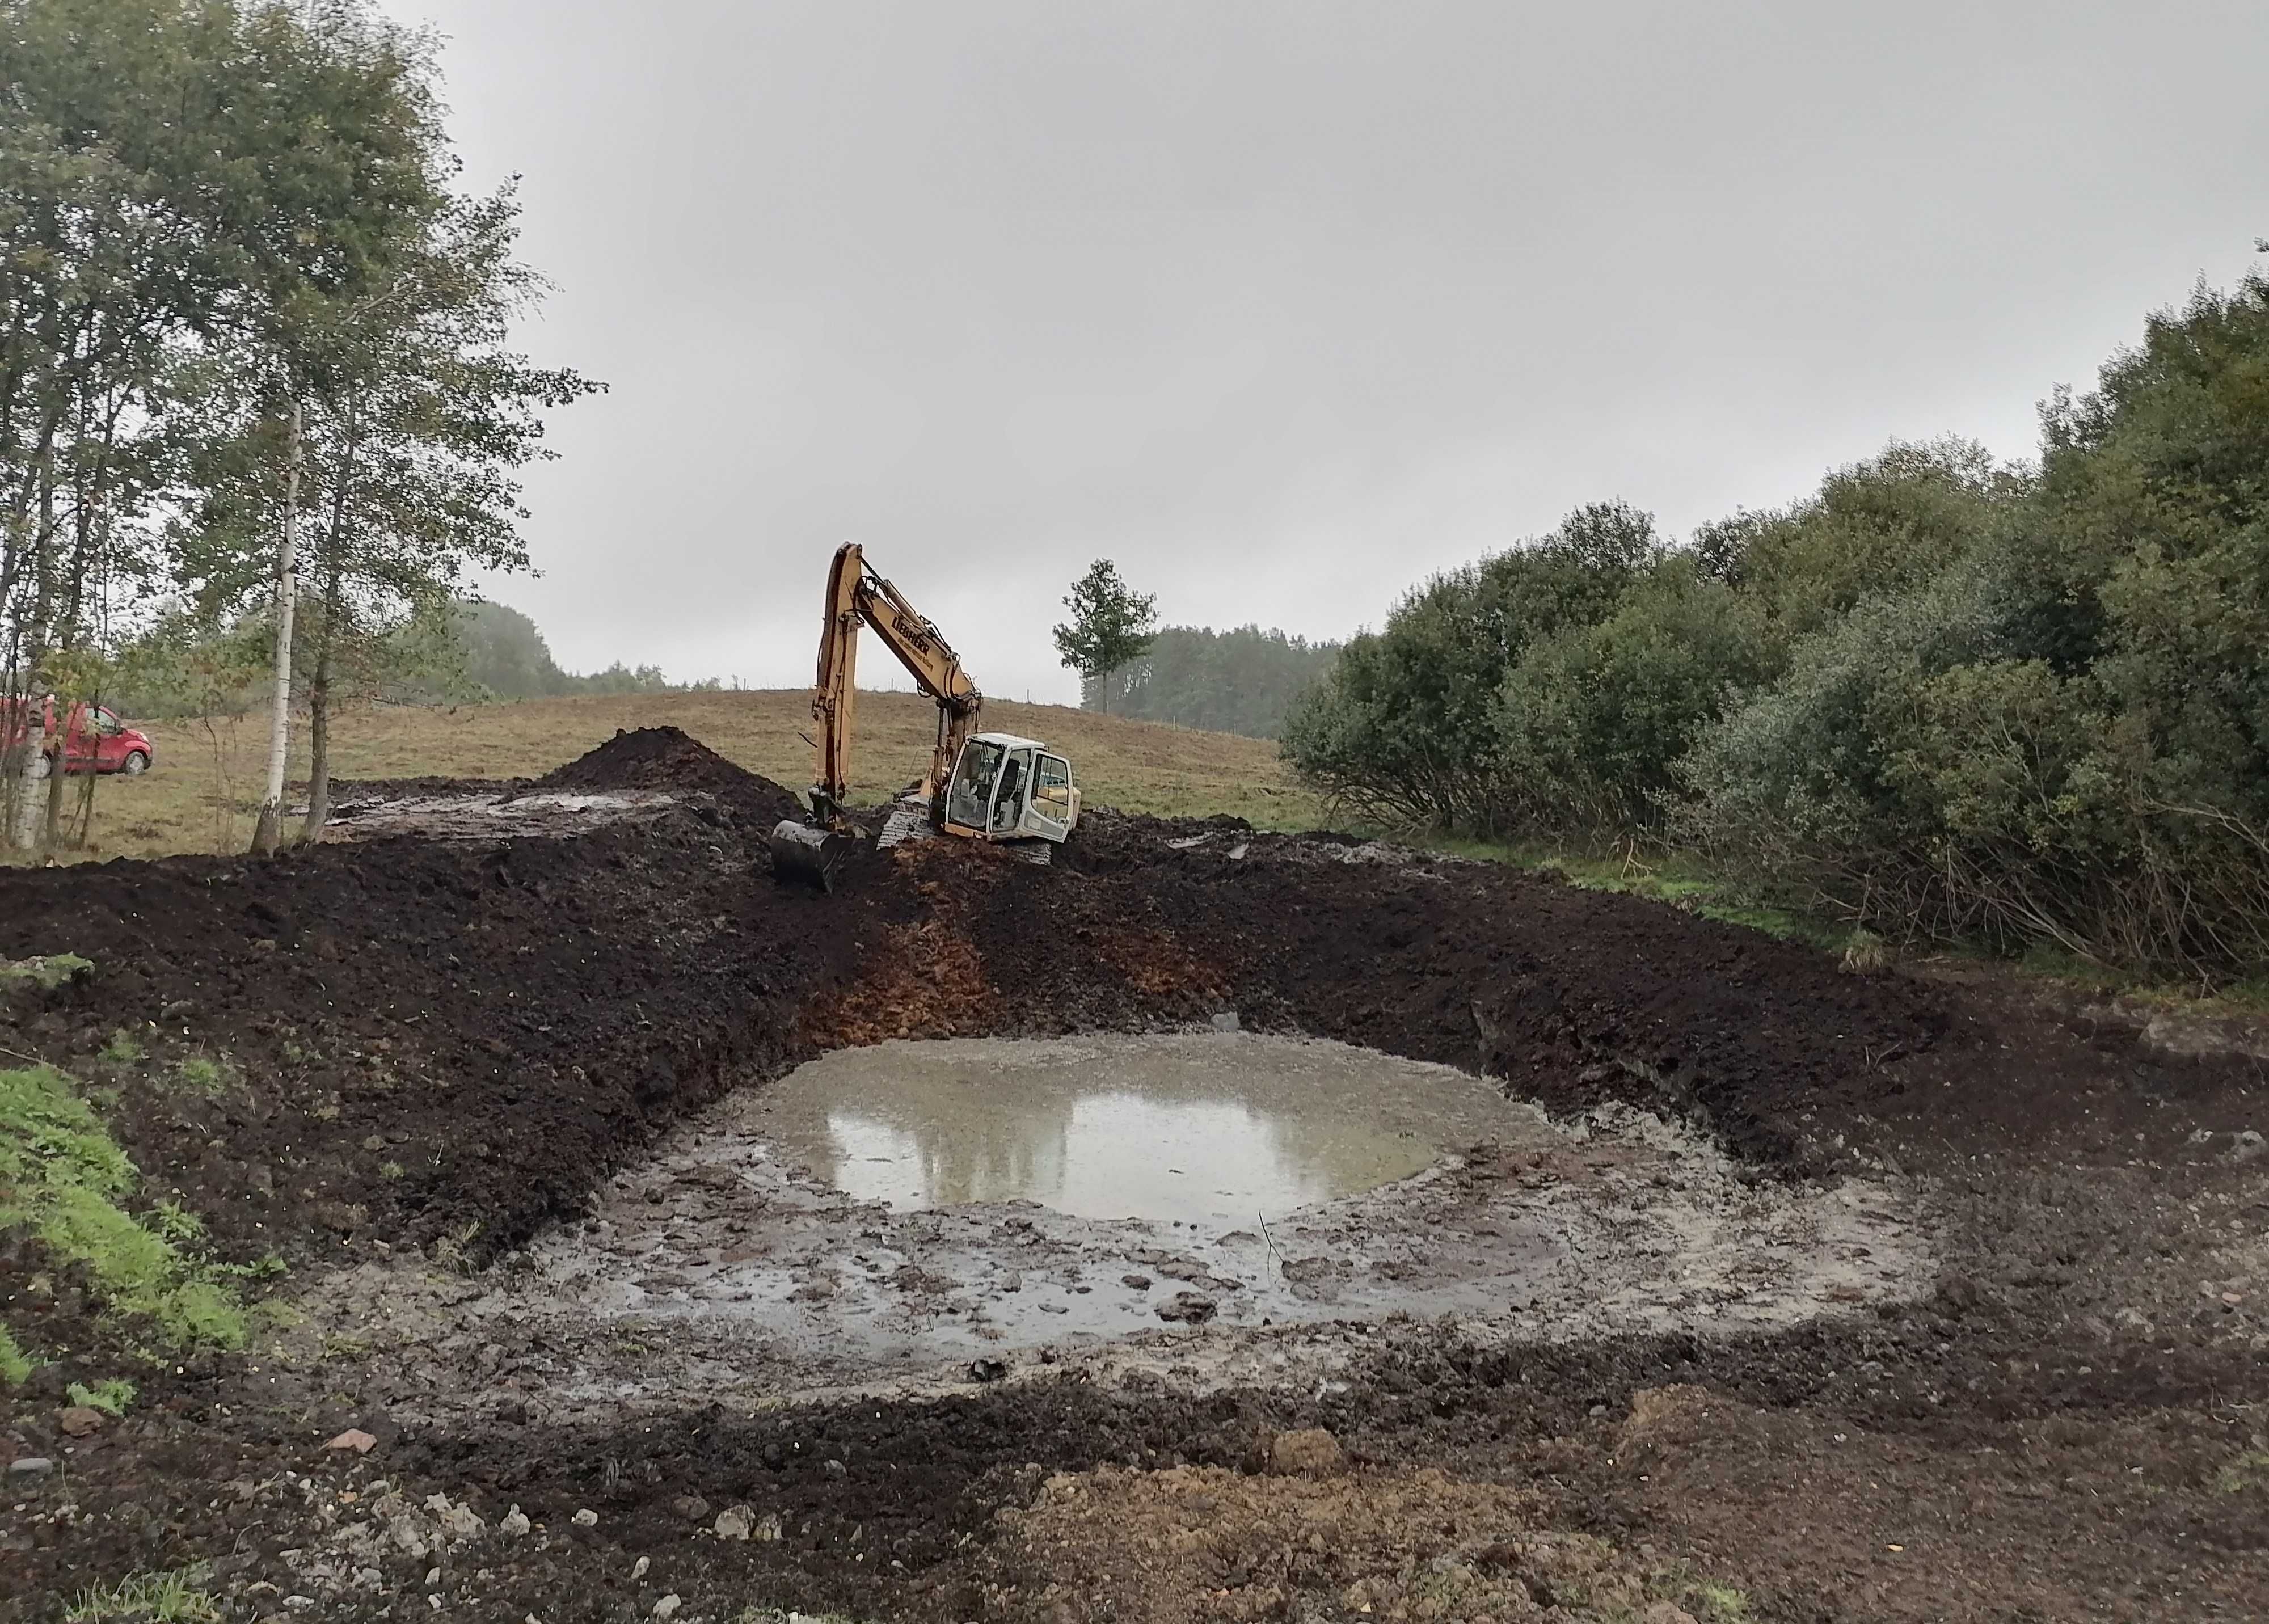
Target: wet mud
<point>736,1261</point>
<point>1837,1296</point>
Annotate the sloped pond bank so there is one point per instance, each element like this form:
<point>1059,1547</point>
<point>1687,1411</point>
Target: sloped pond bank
<point>1816,1296</point>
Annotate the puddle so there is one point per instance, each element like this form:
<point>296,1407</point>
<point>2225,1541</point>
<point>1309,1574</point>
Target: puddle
<point>1203,1128</point>
<point>1215,1207</point>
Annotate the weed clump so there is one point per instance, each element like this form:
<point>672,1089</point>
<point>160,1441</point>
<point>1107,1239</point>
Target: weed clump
<point>16,1365</point>
<point>201,1073</point>
<point>111,1395</point>
<point>175,1597</point>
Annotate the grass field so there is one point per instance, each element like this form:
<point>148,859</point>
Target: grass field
<point>202,794</point>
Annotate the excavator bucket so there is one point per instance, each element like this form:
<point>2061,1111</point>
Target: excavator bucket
<point>808,852</point>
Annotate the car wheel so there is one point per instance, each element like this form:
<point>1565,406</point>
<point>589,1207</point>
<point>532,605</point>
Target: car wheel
<point>135,764</point>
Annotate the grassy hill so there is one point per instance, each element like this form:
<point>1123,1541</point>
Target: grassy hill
<point>206,785</point>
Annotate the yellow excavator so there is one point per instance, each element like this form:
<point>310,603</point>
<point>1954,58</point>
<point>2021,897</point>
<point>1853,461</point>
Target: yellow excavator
<point>991,786</point>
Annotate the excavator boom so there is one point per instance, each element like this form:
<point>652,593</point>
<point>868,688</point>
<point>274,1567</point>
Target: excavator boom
<point>856,597</point>
<point>1007,791</point>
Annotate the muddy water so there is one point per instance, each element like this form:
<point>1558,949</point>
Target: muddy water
<point>1214,1208</point>
<point>1206,1128</point>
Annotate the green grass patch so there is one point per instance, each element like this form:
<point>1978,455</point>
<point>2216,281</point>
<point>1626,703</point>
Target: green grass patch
<point>176,1597</point>
<point>16,1365</point>
<point>201,1073</point>
<point>2247,1472</point>
<point>63,1178</point>
<point>1680,880</point>
<point>123,1048</point>
<point>48,970</point>
<point>1672,878</point>
<point>1717,1604</point>
<point>111,1395</point>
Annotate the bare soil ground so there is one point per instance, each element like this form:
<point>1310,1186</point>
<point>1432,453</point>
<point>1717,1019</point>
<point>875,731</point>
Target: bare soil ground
<point>443,1051</point>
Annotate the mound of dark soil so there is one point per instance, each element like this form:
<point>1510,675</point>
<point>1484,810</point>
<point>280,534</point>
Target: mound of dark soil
<point>666,759</point>
<point>427,1041</point>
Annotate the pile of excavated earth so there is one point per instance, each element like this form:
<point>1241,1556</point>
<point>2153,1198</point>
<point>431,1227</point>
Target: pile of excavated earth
<point>1731,1282</point>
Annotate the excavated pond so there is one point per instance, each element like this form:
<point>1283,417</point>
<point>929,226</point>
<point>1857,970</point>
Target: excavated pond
<point>1214,1207</point>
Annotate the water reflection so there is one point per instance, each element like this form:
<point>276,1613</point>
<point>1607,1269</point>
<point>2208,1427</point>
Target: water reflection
<point>1196,1127</point>
<point>1116,1154</point>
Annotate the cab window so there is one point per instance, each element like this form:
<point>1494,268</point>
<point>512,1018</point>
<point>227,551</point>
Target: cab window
<point>969,794</point>
<point>1052,790</point>
<point>1008,801</point>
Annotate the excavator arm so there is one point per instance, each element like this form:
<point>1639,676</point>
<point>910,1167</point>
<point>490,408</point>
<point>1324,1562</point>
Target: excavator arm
<point>856,597</point>
<point>1001,789</point>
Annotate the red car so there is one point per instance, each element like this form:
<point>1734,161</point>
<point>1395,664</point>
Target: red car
<point>94,740</point>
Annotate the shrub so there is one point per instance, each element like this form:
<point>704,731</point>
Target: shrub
<point>1593,720</point>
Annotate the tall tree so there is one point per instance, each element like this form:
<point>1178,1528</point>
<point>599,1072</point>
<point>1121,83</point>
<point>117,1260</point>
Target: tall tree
<point>116,173</point>
<point>1110,623</point>
<point>424,437</point>
<point>351,207</point>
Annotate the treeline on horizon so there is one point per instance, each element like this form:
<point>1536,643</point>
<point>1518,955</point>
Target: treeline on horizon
<point>1243,679</point>
<point>1940,697</point>
<point>459,651</point>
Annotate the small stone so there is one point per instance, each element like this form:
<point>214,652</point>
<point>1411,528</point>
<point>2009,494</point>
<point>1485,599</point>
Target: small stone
<point>30,1466</point>
<point>585,1518</point>
<point>767,1531</point>
<point>1311,1451</point>
<point>1190,1308</point>
<point>1225,1022</point>
<point>836,1469</point>
<point>1013,1280</point>
<point>353,1438</point>
<point>668,1606</point>
<point>300,1604</point>
<point>1053,1307</point>
<point>433,1577</point>
<point>2248,1144</point>
<point>733,1524</point>
<point>639,1567</point>
<point>1135,1282</point>
<point>986,1369</point>
<point>458,1522</point>
<point>1599,1410</point>
<point>513,1522</point>
<point>81,1420</point>
<point>433,1602</point>
<point>692,1507</point>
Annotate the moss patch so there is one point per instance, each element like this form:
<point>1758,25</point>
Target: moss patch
<point>63,1178</point>
<point>50,970</point>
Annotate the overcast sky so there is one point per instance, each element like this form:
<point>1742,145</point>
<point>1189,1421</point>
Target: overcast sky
<point>1285,305</point>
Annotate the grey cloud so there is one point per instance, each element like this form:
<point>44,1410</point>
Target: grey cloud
<point>1284,306</point>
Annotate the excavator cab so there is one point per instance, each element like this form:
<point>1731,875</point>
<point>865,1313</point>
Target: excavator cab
<point>1004,787</point>
<point>991,786</point>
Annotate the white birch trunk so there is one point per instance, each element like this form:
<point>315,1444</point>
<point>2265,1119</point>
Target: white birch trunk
<point>268,831</point>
